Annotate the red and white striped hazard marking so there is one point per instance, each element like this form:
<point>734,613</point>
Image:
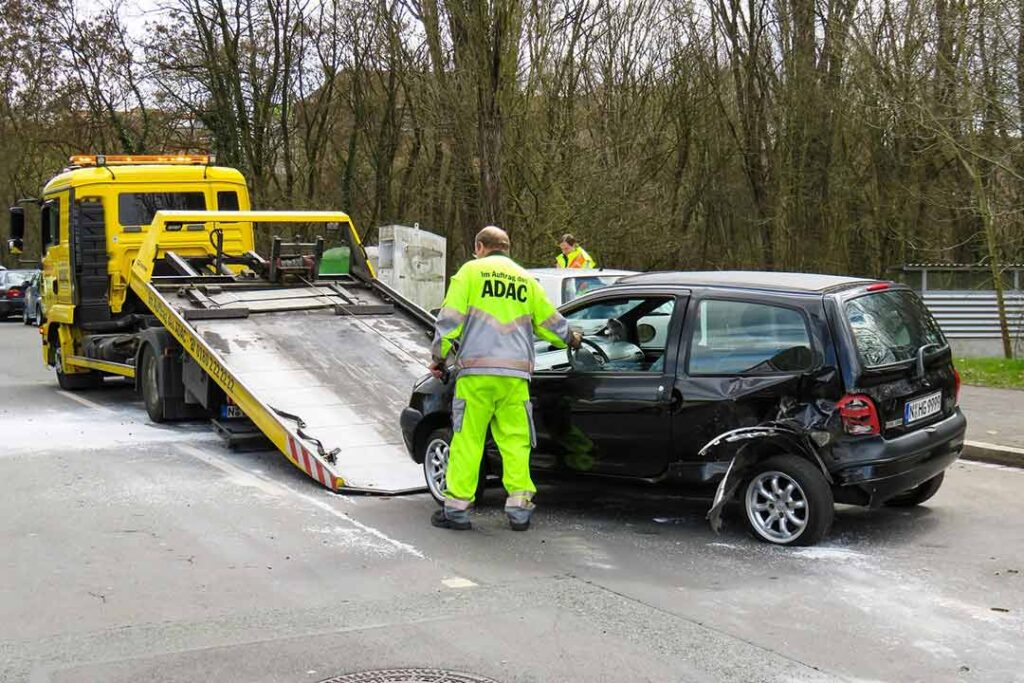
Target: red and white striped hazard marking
<point>309,463</point>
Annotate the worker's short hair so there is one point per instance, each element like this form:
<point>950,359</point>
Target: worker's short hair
<point>494,238</point>
<point>568,239</point>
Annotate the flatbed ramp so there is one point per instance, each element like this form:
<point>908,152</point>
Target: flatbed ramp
<point>323,368</point>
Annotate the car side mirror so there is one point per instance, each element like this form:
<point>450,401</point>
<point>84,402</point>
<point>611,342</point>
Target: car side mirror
<point>17,241</point>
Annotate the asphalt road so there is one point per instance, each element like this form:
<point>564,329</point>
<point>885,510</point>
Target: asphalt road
<point>135,552</point>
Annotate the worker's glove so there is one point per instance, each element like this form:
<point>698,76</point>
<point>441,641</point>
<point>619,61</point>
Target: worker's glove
<point>575,339</point>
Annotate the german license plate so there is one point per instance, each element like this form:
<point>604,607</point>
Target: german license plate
<point>232,411</point>
<point>923,407</point>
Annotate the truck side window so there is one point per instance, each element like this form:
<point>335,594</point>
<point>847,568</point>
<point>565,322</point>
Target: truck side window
<point>227,200</point>
<point>746,338</point>
<point>50,222</point>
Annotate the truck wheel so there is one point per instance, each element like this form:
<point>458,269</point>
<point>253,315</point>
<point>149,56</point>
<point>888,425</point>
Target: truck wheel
<point>435,465</point>
<point>918,494</point>
<point>788,502</point>
<point>75,381</point>
<point>150,382</point>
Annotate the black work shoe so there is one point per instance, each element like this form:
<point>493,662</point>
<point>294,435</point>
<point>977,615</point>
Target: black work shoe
<point>519,526</point>
<point>439,520</point>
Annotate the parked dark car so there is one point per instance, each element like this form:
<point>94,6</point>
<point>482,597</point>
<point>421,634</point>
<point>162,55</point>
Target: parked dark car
<point>32,313</point>
<point>13,284</point>
<point>790,392</point>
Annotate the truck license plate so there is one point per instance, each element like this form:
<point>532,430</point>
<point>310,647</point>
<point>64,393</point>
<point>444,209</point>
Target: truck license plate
<point>923,407</point>
<point>233,411</point>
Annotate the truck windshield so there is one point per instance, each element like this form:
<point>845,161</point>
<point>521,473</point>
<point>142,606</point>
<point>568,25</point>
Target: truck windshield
<point>890,326</point>
<point>138,208</point>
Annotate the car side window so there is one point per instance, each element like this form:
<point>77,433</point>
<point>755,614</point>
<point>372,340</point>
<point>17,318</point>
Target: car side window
<point>746,338</point>
<point>627,334</point>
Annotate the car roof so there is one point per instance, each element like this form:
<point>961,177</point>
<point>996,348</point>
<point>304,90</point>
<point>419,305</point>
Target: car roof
<point>748,279</point>
<point>577,272</point>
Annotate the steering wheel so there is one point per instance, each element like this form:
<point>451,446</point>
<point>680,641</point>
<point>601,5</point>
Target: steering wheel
<point>593,360</point>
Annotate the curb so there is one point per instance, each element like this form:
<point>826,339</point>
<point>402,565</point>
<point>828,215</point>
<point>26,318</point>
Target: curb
<point>991,453</point>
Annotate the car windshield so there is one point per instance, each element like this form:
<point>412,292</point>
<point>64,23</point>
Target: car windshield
<point>575,287</point>
<point>891,326</point>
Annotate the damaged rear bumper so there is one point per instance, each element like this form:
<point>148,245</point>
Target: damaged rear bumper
<point>870,471</point>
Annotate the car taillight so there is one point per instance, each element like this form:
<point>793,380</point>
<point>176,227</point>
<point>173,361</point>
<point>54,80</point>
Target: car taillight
<point>859,415</point>
<point>14,292</point>
<point>956,387</point>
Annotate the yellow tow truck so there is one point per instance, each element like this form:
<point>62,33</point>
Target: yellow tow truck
<point>150,273</point>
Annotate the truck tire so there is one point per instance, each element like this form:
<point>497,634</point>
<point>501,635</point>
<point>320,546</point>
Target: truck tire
<point>918,494</point>
<point>787,501</point>
<point>149,381</point>
<point>435,465</point>
<point>75,381</point>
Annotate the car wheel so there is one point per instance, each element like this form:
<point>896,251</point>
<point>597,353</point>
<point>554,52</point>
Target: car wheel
<point>435,465</point>
<point>39,316</point>
<point>788,502</point>
<point>77,380</point>
<point>24,316</point>
<point>918,494</point>
<point>150,382</point>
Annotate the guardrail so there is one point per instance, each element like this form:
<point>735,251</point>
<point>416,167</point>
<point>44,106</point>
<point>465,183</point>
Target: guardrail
<point>975,315</point>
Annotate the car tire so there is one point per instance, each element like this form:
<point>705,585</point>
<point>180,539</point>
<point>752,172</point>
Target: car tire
<point>24,316</point>
<point>39,317</point>
<point>787,501</point>
<point>75,381</point>
<point>435,464</point>
<point>918,494</point>
<point>149,381</point>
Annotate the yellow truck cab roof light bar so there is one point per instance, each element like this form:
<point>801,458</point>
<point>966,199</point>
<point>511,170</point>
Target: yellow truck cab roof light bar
<point>84,160</point>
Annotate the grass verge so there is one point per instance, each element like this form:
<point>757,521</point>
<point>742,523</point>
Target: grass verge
<point>992,372</point>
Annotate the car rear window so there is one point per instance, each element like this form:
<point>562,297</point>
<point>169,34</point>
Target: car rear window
<point>890,327</point>
<point>745,338</point>
<point>15,278</point>
<point>138,208</point>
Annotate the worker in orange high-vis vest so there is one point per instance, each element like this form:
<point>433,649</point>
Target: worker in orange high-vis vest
<point>494,309</point>
<point>573,255</point>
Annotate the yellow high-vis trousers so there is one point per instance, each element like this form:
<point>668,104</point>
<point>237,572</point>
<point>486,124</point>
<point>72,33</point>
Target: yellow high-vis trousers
<point>503,404</point>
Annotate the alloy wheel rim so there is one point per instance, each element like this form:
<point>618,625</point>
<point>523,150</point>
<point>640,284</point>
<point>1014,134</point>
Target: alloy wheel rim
<point>777,507</point>
<point>437,466</point>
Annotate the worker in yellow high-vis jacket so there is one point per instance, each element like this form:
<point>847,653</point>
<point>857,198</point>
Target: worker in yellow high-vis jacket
<point>493,308</point>
<point>573,255</point>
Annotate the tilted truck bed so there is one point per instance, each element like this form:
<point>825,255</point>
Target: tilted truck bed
<point>322,368</point>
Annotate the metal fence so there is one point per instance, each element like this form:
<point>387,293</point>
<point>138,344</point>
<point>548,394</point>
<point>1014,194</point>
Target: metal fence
<point>974,315</point>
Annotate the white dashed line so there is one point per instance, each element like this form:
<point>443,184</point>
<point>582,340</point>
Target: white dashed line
<point>85,402</point>
<point>278,489</point>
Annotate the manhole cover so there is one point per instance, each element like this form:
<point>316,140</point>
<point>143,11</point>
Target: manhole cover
<point>409,676</point>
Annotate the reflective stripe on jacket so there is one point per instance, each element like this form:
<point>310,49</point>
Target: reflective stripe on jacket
<point>494,308</point>
<point>577,258</point>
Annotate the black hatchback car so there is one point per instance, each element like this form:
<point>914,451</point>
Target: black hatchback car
<point>790,392</point>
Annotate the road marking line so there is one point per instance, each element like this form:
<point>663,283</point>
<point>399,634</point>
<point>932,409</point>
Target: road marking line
<point>458,582</point>
<point>276,488</point>
<point>85,402</point>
